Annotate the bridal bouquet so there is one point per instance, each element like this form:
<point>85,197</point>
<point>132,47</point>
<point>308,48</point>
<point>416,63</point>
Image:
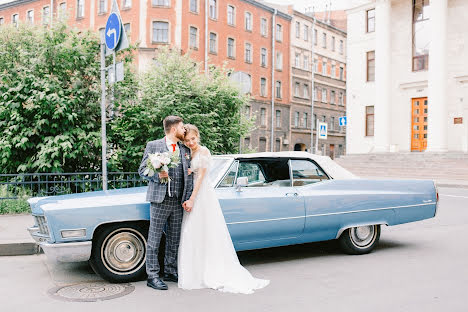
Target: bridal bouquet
<point>159,162</point>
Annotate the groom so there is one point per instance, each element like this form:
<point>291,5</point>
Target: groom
<point>164,208</point>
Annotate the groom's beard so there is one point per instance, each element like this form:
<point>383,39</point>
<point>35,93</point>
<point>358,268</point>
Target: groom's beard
<point>180,136</point>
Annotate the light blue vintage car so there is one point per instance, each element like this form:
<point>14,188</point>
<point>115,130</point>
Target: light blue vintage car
<point>268,199</point>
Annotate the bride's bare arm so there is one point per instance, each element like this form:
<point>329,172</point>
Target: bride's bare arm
<point>201,172</point>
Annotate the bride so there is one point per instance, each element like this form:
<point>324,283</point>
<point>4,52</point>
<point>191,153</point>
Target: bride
<point>207,258</point>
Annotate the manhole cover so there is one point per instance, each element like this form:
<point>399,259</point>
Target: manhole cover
<point>89,292</point>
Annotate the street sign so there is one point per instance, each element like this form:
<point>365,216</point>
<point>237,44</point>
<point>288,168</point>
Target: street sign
<point>122,43</point>
<point>343,121</point>
<point>113,31</point>
<point>323,126</point>
<point>119,73</point>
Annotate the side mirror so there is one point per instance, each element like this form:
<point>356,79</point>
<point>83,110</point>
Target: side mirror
<point>243,181</point>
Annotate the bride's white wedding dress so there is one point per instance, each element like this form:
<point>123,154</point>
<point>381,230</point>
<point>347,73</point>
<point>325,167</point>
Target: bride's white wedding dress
<point>207,258</point>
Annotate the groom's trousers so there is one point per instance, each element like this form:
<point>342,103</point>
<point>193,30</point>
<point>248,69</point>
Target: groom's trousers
<point>170,211</point>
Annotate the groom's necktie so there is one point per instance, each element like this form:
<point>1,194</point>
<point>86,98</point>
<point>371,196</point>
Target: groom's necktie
<point>173,147</point>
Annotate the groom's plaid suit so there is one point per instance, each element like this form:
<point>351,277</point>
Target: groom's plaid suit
<point>165,209</point>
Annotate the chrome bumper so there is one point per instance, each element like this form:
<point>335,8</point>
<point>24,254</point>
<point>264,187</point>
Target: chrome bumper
<point>36,235</point>
<point>67,252</point>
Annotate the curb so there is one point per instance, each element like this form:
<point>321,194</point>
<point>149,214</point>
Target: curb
<point>19,249</point>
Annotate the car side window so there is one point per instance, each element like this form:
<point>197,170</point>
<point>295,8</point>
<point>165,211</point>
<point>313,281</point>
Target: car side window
<point>230,178</point>
<point>306,172</point>
<point>265,172</point>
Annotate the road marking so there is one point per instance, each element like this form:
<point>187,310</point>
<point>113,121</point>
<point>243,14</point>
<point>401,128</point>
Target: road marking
<point>454,196</point>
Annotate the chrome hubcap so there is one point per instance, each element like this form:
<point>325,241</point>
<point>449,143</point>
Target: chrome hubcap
<point>124,252</point>
<point>362,236</point>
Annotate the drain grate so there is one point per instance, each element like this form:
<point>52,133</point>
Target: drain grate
<point>91,292</point>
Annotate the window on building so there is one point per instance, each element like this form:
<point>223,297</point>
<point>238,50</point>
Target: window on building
<point>278,119</point>
<point>305,120</point>
<point>296,88</point>
<point>15,19</point>
<point>315,65</point>
<point>298,29</point>
<point>263,57</point>
<point>279,60</point>
<point>2,21</point>
<point>315,94</point>
<point>247,111</point>
<point>306,91</point>
<point>332,123</point>
<point>341,73</point>
<point>306,33</point>
<point>332,97</point>
<point>340,99</point>
<point>315,121</point>
<point>62,10</point>
<point>30,16</point>
<point>279,32</point>
<point>263,116</point>
<point>127,4</point>
<point>127,29</point>
<point>333,43</point>
<point>315,36</point>
<point>324,67</point>
<point>248,21</point>
<point>263,27</point>
<point>278,89</point>
<point>164,3</point>
<point>421,34</point>
<point>263,87</point>
<point>278,145</point>
<point>261,146</point>
<point>341,46</point>
<point>193,37</point>
<point>296,119</point>
<point>231,48</point>
<point>80,9</point>
<point>161,32</point>
<point>248,53</point>
<point>306,62</point>
<point>333,71</point>
<point>324,40</point>
<point>370,25</point>
<point>324,95</point>
<point>213,44</point>
<point>213,9</point>
<point>102,6</point>
<point>369,120</point>
<point>297,60</point>
<point>246,142</point>
<point>231,13</point>
<point>371,66</point>
<point>45,15</point>
<point>194,6</point>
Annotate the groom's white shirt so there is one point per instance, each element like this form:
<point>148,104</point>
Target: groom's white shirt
<point>169,145</point>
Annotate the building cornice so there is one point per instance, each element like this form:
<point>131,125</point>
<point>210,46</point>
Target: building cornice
<point>462,79</point>
<point>413,85</point>
<point>269,9</point>
<point>319,22</point>
<point>361,7</point>
<point>15,3</point>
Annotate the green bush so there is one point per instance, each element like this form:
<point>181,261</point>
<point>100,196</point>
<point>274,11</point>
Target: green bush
<point>14,206</point>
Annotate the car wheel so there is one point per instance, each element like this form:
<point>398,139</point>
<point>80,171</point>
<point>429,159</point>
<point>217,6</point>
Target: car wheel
<point>360,240</point>
<point>119,252</point>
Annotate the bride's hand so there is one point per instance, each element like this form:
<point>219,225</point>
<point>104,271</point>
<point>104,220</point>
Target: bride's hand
<point>189,170</point>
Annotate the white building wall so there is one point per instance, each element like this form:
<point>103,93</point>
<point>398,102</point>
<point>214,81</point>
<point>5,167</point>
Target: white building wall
<point>405,84</point>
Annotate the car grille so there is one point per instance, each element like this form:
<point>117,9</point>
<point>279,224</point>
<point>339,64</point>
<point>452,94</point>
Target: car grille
<point>42,224</point>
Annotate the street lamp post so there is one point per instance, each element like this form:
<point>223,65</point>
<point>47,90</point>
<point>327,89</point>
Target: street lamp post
<point>312,85</point>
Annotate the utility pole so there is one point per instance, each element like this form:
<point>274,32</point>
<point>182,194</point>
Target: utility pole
<point>312,85</point>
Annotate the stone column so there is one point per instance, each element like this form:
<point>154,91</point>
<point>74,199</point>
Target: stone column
<point>437,114</point>
<point>382,103</point>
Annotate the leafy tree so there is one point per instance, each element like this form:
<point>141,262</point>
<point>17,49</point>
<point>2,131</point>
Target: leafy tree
<point>50,100</point>
<point>174,85</point>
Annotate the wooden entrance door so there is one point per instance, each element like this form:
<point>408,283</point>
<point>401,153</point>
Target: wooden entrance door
<point>332,151</point>
<point>419,124</point>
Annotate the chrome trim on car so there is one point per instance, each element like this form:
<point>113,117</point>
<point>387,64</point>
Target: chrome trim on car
<point>265,220</point>
<point>67,252</point>
<point>36,235</point>
<point>338,234</point>
<point>41,222</point>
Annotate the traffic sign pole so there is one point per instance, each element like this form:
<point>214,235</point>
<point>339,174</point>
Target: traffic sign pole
<point>103,116</point>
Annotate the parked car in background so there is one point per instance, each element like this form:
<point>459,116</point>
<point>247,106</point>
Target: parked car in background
<point>268,200</point>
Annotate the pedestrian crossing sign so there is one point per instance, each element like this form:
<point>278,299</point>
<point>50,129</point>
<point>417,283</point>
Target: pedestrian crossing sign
<point>323,127</point>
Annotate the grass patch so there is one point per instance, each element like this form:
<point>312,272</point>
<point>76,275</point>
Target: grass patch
<point>14,206</point>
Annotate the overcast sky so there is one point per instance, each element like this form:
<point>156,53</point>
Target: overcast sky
<point>300,5</point>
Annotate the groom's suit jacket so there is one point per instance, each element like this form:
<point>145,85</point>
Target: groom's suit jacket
<point>156,190</point>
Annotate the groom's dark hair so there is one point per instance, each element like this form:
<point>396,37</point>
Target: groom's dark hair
<point>170,121</point>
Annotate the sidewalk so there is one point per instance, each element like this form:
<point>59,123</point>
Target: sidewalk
<point>16,241</point>
<point>14,236</point>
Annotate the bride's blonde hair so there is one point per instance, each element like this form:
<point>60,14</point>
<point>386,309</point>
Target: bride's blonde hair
<point>191,128</point>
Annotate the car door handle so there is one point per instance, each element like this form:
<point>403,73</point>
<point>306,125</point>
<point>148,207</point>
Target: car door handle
<point>291,194</point>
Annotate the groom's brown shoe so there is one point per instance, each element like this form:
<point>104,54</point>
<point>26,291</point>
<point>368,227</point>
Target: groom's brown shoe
<point>156,283</point>
<point>171,277</point>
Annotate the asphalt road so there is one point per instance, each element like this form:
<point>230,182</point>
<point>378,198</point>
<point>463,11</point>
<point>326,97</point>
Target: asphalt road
<point>420,266</point>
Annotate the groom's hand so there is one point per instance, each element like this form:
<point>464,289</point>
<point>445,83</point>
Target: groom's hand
<point>163,174</point>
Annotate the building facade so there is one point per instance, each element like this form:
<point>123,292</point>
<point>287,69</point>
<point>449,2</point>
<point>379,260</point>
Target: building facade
<point>249,37</point>
<point>319,47</point>
<point>408,83</point>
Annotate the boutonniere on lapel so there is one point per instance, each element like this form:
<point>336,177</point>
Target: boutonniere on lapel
<point>187,156</point>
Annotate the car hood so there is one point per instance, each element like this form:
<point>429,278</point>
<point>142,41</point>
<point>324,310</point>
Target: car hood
<point>89,199</point>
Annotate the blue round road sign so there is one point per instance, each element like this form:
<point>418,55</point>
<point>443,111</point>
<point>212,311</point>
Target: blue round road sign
<point>113,27</point>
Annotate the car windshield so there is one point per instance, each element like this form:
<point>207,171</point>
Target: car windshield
<point>216,166</point>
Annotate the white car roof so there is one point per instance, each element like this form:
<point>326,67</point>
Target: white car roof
<point>330,167</point>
